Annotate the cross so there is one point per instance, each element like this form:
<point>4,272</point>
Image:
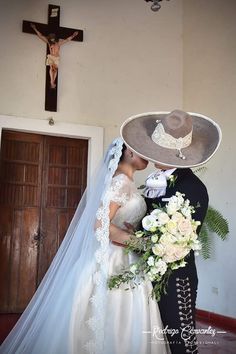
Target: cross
<point>54,36</point>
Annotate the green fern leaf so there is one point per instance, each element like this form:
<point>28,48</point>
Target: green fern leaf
<point>206,241</point>
<point>216,223</point>
<point>200,170</point>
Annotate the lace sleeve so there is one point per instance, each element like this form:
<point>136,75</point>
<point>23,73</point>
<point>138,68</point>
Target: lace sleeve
<point>120,189</point>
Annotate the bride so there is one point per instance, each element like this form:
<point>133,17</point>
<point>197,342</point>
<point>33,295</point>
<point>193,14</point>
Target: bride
<point>73,312</point>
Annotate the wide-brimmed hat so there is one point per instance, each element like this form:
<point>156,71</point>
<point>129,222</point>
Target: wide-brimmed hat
<point>175,139</point>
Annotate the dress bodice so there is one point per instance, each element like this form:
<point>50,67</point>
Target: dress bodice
<point>132,205</point>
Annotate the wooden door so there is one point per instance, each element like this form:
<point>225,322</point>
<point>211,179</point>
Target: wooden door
<point>63,183</point>
<point>41,181</point>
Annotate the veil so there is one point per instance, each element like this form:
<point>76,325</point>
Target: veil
<point>45,325</point>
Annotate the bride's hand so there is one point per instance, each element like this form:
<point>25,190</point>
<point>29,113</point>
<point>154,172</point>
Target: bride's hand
<point>129,228</point>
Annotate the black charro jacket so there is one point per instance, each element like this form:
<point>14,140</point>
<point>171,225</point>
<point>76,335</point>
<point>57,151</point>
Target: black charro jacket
<point>193,188</point>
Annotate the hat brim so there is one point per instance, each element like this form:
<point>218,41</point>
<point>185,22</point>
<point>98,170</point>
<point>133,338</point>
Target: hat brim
<point>136,132</point>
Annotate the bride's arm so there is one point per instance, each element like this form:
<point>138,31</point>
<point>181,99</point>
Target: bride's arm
<point>117,234</point>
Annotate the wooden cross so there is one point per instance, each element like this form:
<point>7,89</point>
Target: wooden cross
<point>54,36</point>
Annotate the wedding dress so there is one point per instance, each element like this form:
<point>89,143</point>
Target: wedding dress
<point>133,324</point>
<point>73,311</point>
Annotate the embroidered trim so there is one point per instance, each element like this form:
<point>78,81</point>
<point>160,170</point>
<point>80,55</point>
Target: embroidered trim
<point>117,184</point>
<point>161,138</point>
<point>185,315</point>
<point>97,320</point>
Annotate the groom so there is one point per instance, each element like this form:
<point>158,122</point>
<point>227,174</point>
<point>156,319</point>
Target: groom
<point>175,142</point>
<point>177,307</point>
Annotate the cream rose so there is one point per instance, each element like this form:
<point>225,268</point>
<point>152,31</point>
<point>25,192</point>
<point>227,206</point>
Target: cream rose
<point>174,253</point>
<point>177,216</point>
<point>171,227</point>
<point>185,227</point>
<point>163,218</point>
<point>158,250</point>
<point>167,238</point>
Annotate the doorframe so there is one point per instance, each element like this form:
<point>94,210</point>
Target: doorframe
<point>93,134</point>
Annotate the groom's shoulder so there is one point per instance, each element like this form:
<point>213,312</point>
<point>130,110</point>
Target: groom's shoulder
<point>190,177</point>
<point>191,184</point>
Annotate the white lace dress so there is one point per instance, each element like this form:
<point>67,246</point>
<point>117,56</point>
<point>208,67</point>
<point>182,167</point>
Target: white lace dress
<point>133,323</point>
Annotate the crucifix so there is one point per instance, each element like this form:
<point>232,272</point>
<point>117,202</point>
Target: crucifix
<point>54,36</point>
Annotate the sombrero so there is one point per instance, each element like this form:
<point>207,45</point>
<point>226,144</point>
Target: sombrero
<point>175,139</point>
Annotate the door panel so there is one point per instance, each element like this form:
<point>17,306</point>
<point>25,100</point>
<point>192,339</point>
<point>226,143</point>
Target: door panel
<point>24,252</point>
<point>42,179</point>
<point>20,185</point>
<point>64,181</point>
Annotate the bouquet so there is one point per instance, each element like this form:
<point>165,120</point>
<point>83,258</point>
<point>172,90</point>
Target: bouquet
<point>168,236</point>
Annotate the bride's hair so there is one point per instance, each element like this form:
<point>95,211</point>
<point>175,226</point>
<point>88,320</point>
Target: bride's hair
<point>124,148</point>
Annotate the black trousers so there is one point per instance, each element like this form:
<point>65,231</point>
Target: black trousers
<point>177,308</point>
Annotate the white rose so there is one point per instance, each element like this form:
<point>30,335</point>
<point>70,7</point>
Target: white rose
<point>158,250</point>
<point>149,222</point>
<point>161,266</point>
<point>155,213</point>
<point>185,227</point>
<point>163,218</point>
<point>150,261</point>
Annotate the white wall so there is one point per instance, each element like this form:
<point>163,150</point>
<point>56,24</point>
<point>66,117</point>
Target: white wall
<point>210,87</point>
<point>130,61</point>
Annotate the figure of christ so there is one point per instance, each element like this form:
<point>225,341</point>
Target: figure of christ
<point>53,57</point>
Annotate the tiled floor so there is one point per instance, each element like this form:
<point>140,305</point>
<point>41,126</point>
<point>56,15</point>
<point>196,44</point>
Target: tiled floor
<point>215,340</point>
